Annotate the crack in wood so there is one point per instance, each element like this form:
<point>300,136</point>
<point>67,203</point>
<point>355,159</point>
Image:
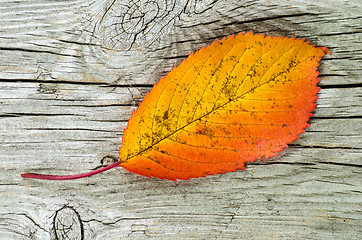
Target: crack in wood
<point>70,129</point>
<point>35,51</point>
<point>321,147</point>
<point>31,219</point>
<point>342,164</point>
<point>340,33</point>
<point>351,85</point>
<point>262,19</point>
<point>19,114</point>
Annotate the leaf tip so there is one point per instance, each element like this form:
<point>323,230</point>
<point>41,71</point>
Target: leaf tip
<point>326,50</point>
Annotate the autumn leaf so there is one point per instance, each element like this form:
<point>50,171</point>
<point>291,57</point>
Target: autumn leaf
<point>242,98</point>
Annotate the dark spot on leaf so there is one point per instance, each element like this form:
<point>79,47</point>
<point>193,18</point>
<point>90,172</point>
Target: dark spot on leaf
<point>165,115</point>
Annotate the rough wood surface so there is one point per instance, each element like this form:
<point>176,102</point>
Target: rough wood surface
<point>71,73</point>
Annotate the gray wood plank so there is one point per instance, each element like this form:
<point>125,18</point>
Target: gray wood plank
<point>72,72</point>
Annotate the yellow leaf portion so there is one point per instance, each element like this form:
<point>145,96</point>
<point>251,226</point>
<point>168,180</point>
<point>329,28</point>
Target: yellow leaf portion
<point>240,99</point>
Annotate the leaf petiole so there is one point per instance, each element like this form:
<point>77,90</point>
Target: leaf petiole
<point>69,177</point>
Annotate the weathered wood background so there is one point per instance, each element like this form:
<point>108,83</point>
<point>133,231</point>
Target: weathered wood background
<point>72,72</point>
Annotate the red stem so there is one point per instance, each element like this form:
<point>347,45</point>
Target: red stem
<point>69,177</point>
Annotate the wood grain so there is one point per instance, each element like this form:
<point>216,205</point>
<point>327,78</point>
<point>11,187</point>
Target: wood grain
<point>71,74</point>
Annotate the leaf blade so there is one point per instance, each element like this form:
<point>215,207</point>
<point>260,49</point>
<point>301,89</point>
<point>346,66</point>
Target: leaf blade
<point>240,99</point>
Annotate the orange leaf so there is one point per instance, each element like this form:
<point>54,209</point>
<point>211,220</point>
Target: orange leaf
<point>240,99</point>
